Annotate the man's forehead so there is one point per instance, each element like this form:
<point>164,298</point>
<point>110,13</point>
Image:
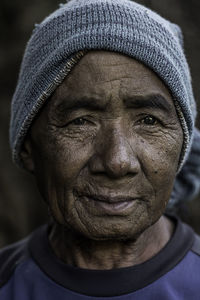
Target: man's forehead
<point>97,65</point>
<point>103,57</point>
<point>100,73</point>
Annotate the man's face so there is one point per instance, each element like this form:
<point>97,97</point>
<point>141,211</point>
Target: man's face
<point>106,146</point>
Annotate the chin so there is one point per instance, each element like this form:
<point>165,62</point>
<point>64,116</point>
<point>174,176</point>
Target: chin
<point>112,231</point>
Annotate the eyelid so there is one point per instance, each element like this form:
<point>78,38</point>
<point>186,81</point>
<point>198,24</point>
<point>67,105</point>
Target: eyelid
<point>144,115</point>
<point>84,117</point>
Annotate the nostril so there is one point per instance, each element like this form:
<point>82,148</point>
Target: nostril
<point>114,166</point>
<point>114,156</point>
<point>117,166</point>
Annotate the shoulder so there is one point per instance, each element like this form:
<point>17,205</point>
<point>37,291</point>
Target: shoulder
<point>10,257</point>
<point>196,245</point>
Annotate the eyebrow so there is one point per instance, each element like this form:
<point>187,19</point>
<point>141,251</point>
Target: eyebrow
<point>92,103</point>
<point>155,101</point>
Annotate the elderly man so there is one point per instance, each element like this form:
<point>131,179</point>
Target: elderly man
<point>103,116</point>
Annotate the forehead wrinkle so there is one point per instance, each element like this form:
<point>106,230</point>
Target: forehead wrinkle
<point>98,62</point>
<point>89,74</point>
<point>117,77</point>
<point>105,57</point>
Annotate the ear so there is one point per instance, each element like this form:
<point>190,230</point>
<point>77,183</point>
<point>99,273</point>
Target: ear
<point>26,156</point>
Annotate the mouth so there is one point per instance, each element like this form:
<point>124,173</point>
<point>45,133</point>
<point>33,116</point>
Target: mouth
<point>110,205</point>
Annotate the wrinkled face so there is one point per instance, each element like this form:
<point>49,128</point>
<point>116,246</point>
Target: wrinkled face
<point>105,148</point>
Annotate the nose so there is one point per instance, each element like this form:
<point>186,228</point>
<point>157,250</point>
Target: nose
<point>114,155</point>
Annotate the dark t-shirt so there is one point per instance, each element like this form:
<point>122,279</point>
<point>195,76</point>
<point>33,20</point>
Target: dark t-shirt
<point>29,270</point>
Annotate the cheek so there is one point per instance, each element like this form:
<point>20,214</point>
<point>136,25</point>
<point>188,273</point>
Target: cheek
<point>58,167</point>
<point>63,156</point>
<point>160,163</point>
<point>69,158</point>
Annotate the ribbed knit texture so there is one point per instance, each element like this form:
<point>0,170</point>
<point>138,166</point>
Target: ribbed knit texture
<point>114,25</point>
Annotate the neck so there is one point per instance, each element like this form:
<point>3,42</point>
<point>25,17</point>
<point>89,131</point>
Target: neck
<point>85,253</point>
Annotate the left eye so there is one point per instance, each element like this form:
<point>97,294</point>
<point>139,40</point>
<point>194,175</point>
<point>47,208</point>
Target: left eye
<point>79,121</point>
<point>149,120</point>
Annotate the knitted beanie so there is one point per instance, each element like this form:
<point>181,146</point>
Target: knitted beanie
<point>123,26</point>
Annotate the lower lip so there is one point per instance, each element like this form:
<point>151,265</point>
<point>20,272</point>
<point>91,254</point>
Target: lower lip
<point>112,208</point>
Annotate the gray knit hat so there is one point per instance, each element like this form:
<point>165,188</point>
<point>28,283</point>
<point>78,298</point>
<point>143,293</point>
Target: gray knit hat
<point>124,26</point>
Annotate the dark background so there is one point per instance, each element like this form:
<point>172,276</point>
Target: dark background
<point>21,207</point>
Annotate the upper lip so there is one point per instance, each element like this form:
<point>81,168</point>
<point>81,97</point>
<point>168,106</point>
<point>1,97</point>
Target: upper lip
<point>110,199</point>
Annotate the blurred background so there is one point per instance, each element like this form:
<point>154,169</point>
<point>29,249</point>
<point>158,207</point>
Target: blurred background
<point>21,207</point>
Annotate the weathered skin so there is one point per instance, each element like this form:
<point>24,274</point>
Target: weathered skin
<point>113,144</point>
